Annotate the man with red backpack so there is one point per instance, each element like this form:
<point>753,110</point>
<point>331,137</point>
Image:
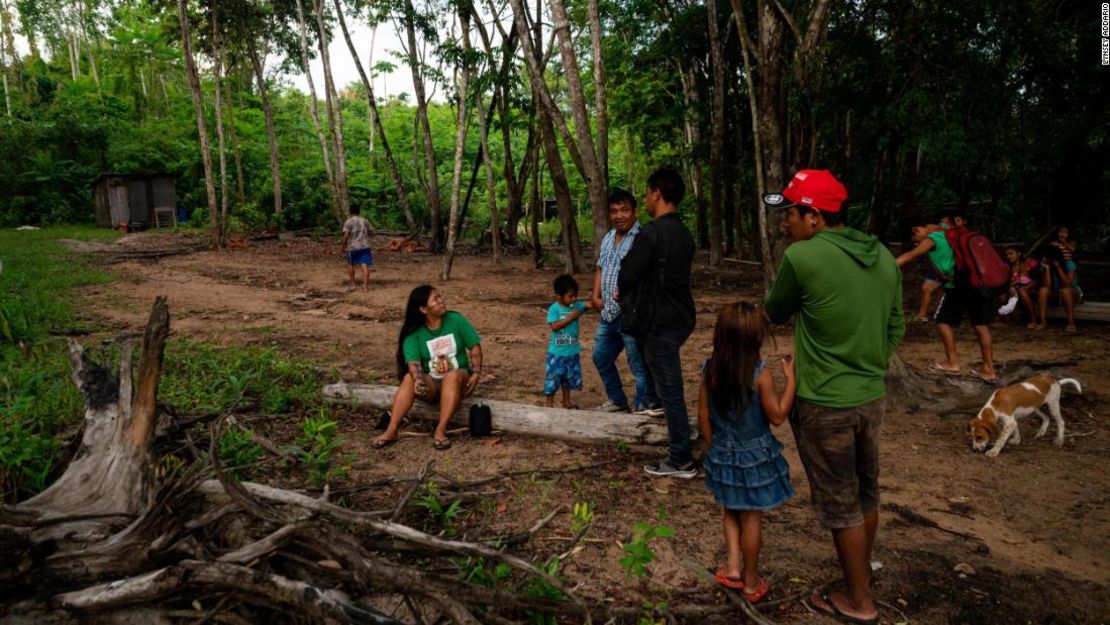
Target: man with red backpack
<point>962,258</point>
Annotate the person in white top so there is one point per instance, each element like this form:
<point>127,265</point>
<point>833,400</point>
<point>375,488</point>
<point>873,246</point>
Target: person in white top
<point>356,241</point>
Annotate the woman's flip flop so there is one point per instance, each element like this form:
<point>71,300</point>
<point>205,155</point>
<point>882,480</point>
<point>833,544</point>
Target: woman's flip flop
<point>382,443</point>
<point>938,368</point>
<point>760,591</point>
<point>728,582</point>
<point>833,612</point>
<point>441,444</point>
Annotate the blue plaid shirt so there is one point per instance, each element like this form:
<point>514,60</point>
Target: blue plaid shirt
<point>609,261</point>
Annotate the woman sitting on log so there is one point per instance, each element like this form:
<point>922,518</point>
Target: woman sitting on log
<point>439,359</point>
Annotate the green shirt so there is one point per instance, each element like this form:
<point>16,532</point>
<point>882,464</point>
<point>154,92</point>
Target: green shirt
<point>564,341</point>
<point>942,258</point>
<point>442,350</point>
<point>845,292</point>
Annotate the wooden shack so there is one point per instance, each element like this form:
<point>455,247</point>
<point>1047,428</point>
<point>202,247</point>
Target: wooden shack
<point>139,200</point>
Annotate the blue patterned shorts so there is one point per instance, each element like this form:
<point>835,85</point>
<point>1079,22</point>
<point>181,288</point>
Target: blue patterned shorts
<point>562,372</point>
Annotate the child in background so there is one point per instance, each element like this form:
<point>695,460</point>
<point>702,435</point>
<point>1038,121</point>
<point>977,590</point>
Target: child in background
<point>564,367</point>
<point>1022,283</point>
<point>356,242</point>
<point>744,468</point>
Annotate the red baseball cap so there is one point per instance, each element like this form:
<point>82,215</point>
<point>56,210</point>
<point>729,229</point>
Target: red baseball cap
<point>811,187</point>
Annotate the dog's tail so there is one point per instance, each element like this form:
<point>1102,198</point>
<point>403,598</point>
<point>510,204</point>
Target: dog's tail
<point>1071,381</point>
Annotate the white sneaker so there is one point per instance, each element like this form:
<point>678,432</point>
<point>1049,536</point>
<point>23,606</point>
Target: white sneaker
<point>1009,306</point>
<point>650,411</point>
<point>609,406</point>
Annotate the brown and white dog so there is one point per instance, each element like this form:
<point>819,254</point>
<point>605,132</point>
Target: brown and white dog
<point>998,417</point>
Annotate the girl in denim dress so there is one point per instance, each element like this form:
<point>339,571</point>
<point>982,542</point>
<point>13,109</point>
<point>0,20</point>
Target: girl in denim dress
<point>744,468</point>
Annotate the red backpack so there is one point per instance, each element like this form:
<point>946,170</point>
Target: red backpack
<point>978,261</point>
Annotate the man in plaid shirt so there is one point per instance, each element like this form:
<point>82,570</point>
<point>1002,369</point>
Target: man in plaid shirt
<point>609,341</point>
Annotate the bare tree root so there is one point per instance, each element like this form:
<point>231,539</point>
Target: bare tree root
<point>122,537</point>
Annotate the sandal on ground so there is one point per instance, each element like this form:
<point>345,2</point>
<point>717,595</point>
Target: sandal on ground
<point>939,368</point>
<point>1071,328</point>
<point>760,591</point>
<point>832,611</point>
<point>441,444</point>
<point>382,443</point>
<point>728,582</point>
<point>982,376</point>
<point>1035,326</point>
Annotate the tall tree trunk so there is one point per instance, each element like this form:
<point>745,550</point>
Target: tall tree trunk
<point>74,55</point>
<point>217,72</point>
<point>491,184</point>
<point>514,182</point>
<point>747,49</point>
<point>4,78</point>
<point>202,131</point>
<point>595,177</point>
<point>432,177</point>
<point>571,244</point>
<point>271,133</point>
<point>692,136</point>
<point>537,212</point>
<point>313,107</point>
<point>395,174</point>
<point>240,179</point>
<point>717,140</point>
<point>601,105</point>
<point>335,118</point>
<point>461,85</point>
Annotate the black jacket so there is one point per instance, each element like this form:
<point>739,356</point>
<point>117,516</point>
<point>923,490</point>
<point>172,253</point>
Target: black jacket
<point>674,310</point>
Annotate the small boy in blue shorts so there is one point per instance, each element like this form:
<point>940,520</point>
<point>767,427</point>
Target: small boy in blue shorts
<point>356,240</point>
<point>564,368</point>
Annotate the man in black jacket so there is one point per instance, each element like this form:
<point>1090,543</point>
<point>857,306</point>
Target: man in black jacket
<point>657,271</point>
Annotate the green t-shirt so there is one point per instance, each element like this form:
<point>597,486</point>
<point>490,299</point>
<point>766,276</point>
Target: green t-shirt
<point>845,293</point>
<point>942,258</point>
<point>445,349</point>
<point>564,341</point>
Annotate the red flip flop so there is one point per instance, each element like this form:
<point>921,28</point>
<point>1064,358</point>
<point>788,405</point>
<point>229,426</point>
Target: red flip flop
<point>760,592</point>
<point>728,582</point>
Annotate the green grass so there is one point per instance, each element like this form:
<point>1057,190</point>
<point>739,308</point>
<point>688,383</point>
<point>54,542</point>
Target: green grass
<point>37,398</point>
<point>36,279</point>
<point>40,407</point>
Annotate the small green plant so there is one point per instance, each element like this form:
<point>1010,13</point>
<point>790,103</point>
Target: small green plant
<point>238,451</point>
<point>653,614</point>
<point>638,552</point>
<point>540,588</point>
<point>622,447</point>
<point>583,515</point>
<point>316,449</point>
<point>478,572</point>
<point>444,516</point>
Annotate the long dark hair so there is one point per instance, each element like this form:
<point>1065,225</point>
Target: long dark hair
<point>414,319</point>
<point>737,339</point>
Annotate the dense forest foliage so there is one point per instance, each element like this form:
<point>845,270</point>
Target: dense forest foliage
<point>992,105</point>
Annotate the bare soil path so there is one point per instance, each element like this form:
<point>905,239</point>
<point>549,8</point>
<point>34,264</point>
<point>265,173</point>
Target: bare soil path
<point>1035,521</point>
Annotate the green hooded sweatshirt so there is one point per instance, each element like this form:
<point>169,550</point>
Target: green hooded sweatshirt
<point>845,292</point>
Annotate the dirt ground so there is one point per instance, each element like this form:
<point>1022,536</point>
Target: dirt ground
<point>1031,524</point>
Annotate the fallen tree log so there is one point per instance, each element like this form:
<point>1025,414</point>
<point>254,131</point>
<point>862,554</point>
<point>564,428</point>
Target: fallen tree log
<point>124,536</point>
<point>576,425</point>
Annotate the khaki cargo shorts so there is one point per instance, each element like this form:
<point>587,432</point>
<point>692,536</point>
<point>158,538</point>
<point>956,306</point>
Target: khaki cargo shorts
<point>839,448</point>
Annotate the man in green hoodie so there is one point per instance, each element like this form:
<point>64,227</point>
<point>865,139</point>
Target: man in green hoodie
<point>844,291</point>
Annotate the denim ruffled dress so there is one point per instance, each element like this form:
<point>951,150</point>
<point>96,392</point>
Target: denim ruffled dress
<point>744,468</point>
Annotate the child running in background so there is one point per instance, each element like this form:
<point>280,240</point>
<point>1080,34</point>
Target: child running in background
<point>356,242</point>
<point>744,468</point>
<point>1022,284</point>
<point>564,367</point>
